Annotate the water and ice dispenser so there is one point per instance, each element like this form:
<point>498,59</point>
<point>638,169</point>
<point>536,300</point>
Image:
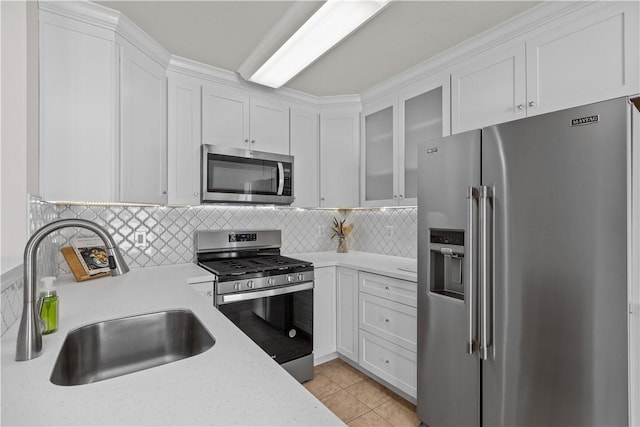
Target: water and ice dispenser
<point>447,262</point>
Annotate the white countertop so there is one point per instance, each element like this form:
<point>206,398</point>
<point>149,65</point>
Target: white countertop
<point>233,383</point>
<point>386,265</point>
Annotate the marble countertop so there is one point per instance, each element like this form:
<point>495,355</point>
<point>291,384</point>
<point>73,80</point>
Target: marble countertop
<point>386,265</point>
<point>233,383</point>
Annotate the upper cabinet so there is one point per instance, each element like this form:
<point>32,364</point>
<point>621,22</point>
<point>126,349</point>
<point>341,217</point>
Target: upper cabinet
<point>339,154</point>
<point>143,152</point>
<point>102,115</point>
<point>183,139</point>
<point>78,115</point>
<point>305,152</point>
<point>584,57</point>
<point>233,118</point>
<point>392,127</point>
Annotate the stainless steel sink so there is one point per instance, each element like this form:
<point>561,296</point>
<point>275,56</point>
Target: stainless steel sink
<point>122,346</point>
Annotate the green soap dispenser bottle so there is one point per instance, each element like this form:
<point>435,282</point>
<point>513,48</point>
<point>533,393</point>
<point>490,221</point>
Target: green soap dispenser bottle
<point>48,305</point>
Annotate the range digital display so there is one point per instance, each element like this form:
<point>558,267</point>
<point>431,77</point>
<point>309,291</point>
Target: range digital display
<point>243,237</point>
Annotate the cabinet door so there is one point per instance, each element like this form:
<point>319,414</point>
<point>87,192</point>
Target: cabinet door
<point>424,114</point>
<point>305,152</point>
<point>489,89</point>
<point>347,312</point>
<point>184,140</point>
<point>379,153</point>
<point>584,59</point>
<point>78,116</point>
<point>339,165</point>
<point>225,116</point>
<point>324,314</point>
<point>143,148</point>
<point>269,125</point>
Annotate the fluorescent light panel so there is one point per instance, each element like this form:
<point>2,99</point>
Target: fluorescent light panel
<point>334,21</point>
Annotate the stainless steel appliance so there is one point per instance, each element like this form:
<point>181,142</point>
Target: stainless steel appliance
<point>522,273</point>
<point>231,175</point>
<point>267,295</point>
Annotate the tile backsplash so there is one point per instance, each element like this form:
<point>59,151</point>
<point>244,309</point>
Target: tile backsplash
<point>170,232</point>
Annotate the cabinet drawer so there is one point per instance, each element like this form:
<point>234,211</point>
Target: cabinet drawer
<point>392,363</point>
<point>389,288</point>
<point>390,320</point>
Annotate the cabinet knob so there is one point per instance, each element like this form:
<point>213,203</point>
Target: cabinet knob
<point>253,141</point>
<point>532,104</point>
<point>246,140</point>
<point>386,361</point>
<point>164,192</point>
<point>386,288</point>
<point>402,196</point>
<point>196,194</point>
<point>322,198</point>
<point>387,320</point>
<point>395,196</point>
<point>520,107</point>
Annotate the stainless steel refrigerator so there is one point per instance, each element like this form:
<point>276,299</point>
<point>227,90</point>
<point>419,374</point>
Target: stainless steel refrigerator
<point>522,271</point>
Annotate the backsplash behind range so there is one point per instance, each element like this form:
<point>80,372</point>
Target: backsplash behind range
<point>170,234</point>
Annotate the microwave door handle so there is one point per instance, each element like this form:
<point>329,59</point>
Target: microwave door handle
<point>280,178</point>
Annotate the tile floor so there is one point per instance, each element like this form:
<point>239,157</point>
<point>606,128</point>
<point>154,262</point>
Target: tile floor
<point>358,400</point>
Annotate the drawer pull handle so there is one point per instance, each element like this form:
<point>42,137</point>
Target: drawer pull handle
<point>386,320</point>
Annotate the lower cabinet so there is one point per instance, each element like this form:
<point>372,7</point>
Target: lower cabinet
<point>347,312</point>
<point>324,314</point>
<point>388,330</point>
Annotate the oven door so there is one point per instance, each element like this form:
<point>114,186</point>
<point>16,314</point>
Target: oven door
<point>233,175</point>
<point>279,320</point>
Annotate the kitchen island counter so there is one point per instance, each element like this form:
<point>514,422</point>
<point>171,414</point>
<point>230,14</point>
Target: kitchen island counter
<point>232,383</point>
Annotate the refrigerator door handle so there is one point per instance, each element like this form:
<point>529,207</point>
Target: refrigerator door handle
<point>486,194</point>
<point>472,315</point>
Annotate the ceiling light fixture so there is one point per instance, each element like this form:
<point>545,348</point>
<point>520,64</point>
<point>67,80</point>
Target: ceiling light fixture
<point>333,22</point>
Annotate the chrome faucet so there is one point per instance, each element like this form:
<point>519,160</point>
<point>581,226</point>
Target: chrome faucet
<point>29,344</point>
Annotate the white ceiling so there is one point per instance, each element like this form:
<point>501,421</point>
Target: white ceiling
<point>224,33</point>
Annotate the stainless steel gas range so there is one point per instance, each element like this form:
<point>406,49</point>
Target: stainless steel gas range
<point>267,295</point>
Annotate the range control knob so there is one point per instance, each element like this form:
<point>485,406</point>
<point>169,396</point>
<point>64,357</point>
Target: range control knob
<point>237,286</point>
<point>300,277</point>
<point>270,281</point>
<point>289,278</point>
<point>250,284</point>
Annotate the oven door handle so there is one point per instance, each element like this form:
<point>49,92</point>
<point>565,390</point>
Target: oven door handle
<point>227,299</point>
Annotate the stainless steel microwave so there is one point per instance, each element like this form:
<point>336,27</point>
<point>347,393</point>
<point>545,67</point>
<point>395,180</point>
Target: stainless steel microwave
<point>231,175</point>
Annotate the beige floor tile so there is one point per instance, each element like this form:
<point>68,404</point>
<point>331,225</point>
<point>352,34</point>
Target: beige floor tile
<point>370,392</point>
<point>370,419</point>
<point>343,374</point>
<point>345,406</point>
<point>328,364</point>
<point>321,386</point>
<point>399,413</point>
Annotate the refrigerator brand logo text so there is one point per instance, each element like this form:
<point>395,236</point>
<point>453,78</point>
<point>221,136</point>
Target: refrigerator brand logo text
<point>585,120</point>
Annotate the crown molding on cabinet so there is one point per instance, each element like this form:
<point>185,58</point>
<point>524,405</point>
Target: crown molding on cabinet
<point>107,19</point>
<point>178,64</point>
<point>509,30</point>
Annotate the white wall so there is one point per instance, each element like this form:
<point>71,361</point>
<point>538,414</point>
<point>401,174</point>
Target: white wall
<point>17,115</point>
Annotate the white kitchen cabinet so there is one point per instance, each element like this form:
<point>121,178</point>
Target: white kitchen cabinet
<point>143,147</point>
<point>233,118</point>
<point>489,89</point>
<point>588,56</point>
<point>79,83</point>
<point>388,329</point>
<point>584,58</point>
<point>305,151</point>
<point>324,314</point>
<point>339,159</point>
<point>392,363</point>
<point>347,312</point>
<point>392,128</point>
<point>183,139</point>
